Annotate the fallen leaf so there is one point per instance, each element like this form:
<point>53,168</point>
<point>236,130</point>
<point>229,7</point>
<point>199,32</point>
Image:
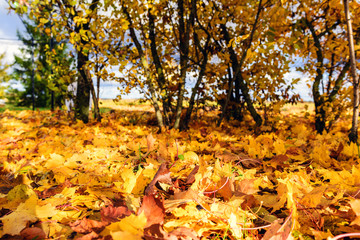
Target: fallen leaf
<point>150,142</point>
<point>191,177</point>
<point>226,188</point>
<point>355,205</point>
<point>278,231</point>
<point>162,175</point>
<point>153,209</point>
<point>86,225</point>
<point>33,233</point>
<point>182,233</point>
<point>113,214</point>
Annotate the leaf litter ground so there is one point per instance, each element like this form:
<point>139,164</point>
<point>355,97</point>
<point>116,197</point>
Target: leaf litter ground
<point>120,179</point>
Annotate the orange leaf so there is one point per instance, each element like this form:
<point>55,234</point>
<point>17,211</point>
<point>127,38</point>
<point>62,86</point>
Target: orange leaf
<point>162,175</point>
<point>278,231</point>
<point>226,188</point>
<point>113,214</point>
<point>87,226</point>
<point>33,233</point>
<point>153,209</point>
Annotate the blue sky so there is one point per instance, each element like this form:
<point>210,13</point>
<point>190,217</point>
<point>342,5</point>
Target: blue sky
<point>10,23</point>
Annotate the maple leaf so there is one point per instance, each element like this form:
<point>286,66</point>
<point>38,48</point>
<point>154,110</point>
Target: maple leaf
<point>279,231</point>
<point>153,209</point>
<point>226,188</point>
<point>90,236</point>
<point>150,142</point>
<point>113,214</point>
<point>29,211</point>
<point>182,233</point>
<point>355,205</point>
<point>313,198</point>
<point>131,227</point>
<point>191,177</point>
<point>162,175</point>
<point>33,233</point>
<point>86,225</point>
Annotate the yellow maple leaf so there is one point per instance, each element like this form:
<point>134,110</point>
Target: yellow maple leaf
<point>313,198</point>
<point>355,205</point>
<point>29,211</point>
<point>17,220</point>
<point>131,226</point>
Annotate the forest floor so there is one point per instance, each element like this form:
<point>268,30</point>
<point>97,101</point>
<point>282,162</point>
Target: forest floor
<point>121,179</point>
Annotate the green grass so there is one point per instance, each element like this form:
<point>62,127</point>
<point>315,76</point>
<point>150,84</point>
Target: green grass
<point>13,107</point>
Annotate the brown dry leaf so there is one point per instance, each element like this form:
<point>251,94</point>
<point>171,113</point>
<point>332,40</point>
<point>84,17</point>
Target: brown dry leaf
<point>153,209</point>
<point>278,231</point>
<point>162,175</point>
<point>150,142</point>
<point>278,162</point>
<point>313,198</point>
<point>245,160</point>
<point>154,232</point>
<point>90,236</point>
<point>191,177</point>
<point>227,156</point>
<point>245,186</point>
<point>226,188</point>
<point>355,205</point>
<point>182,233</point>
<point>86,225</point>
<point>33,233</point>
<point>189,194</point>
<point>113,214</point>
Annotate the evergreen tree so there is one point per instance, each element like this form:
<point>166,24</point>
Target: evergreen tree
<point>44,68</point>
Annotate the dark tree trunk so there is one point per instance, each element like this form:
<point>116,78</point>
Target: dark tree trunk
<point>82,99</point>
<point>85,84</point>
<point>184,38</point>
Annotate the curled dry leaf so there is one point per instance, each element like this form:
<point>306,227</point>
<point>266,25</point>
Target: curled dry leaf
<point>156,231</point>
<point>278,231</point>
<point>89,236</point>
<point>182,233</point>
<point>241,158</point>
<point>113,214</point>
<point>162,175</point>
<point>153,209</point>
<point>191,177</point>
<point>33,233</point>
<point>226,188</point>
<point>86,225</point>
<point>150,142</point>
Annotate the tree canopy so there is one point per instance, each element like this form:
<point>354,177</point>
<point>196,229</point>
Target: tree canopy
<point>181,53</point>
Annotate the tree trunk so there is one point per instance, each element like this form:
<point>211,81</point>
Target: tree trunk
<point>145,65</point>
<point>184,38</point>
<point>353,136</point>
<point>194,91</point>
<point>95,99</point>
<point>159,68</point>
<point>82,99</point>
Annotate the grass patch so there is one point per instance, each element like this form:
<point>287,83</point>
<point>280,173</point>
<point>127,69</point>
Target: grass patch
<point>13,107</point>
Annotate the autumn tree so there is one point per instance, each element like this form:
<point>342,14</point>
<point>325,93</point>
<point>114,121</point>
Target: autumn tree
<point>251,61</point>
<point>158,55</point>
<point>320,38</point>
<point>73,21</point>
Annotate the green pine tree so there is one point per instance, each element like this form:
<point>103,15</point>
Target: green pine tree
<point>44,68</point>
